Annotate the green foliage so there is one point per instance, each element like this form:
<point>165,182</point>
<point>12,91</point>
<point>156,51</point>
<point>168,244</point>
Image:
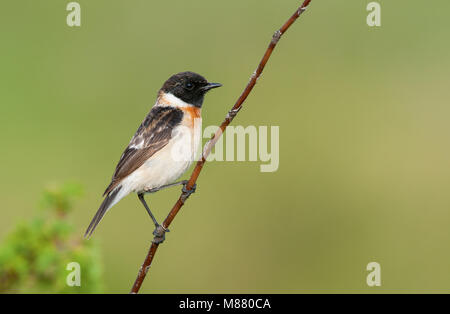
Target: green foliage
<point>34,257</point>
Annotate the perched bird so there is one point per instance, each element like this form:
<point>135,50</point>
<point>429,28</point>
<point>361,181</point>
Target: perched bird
<point>164,145</point>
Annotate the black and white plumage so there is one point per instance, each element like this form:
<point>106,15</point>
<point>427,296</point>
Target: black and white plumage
<point>164,145</point>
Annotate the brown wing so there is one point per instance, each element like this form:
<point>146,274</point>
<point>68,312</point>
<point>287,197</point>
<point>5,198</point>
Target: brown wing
<point>152,135</point>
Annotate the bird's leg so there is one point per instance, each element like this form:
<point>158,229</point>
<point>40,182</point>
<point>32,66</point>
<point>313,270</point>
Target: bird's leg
<point>159,231</point>
<point>184,182</point>
<point>141,198</point>
<point>186,192</point>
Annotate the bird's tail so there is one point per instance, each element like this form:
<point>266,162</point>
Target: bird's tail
<point>110,200</point>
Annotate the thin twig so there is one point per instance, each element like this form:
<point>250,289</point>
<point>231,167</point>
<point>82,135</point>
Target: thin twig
<point>208,146</point>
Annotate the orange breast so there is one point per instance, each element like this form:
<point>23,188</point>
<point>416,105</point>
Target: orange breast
<point>190,114</point>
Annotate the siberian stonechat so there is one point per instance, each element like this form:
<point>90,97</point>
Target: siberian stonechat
<point>164,145</point>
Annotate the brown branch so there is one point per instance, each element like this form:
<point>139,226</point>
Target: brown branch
<point>208,146</point>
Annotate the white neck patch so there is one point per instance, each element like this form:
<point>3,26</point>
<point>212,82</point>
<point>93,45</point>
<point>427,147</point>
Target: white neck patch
<point>168,99</point>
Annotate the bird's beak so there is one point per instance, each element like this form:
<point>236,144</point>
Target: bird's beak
<point>211,86</point>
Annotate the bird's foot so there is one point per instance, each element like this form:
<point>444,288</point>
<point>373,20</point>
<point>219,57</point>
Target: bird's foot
<point>186,193</point>
<point>159,234</point>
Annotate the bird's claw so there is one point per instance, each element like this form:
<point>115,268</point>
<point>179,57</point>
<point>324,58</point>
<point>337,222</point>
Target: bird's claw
<point>159,234</point>
<point>186,193</point>
<point>192,190</point>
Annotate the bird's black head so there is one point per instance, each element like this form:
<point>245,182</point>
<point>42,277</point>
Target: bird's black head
<point>190,87</point>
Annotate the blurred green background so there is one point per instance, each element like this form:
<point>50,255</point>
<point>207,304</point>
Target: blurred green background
<point>364,131</point>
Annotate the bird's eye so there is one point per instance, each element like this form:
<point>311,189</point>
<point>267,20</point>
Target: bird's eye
<point>189,86</point>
